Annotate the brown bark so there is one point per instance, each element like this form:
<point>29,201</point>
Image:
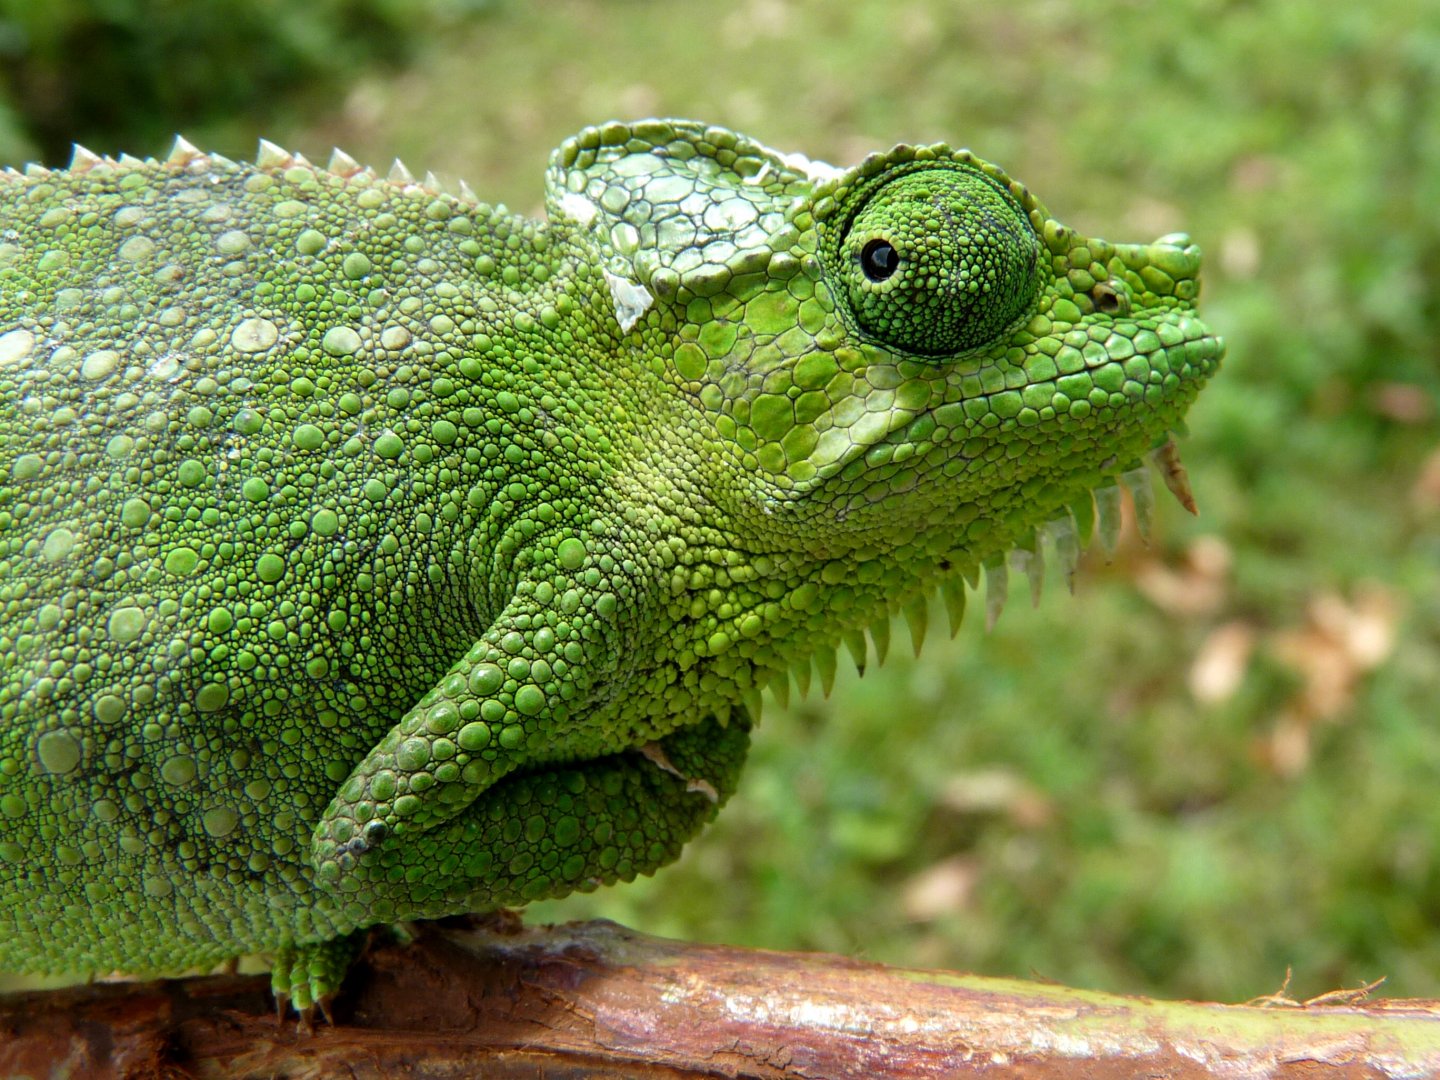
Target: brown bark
<point>597,1000</point>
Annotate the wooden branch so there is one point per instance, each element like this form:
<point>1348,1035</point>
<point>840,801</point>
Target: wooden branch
<point>595,999</point>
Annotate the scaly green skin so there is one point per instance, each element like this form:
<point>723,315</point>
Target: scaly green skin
<point>356,539</point>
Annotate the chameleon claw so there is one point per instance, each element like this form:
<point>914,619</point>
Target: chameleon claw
<point>655,753</point>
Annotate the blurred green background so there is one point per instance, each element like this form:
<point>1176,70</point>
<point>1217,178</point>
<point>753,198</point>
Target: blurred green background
<point>1221,758</point>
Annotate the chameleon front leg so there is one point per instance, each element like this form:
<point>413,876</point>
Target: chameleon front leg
<point>540,833</point>
<point>556,829</point>
<point>521,695</point>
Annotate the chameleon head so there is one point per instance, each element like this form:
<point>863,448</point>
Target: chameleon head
<point>910,351</point>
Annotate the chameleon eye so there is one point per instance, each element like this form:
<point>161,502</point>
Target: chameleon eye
<point>939,261</point>
<point>879,260</point>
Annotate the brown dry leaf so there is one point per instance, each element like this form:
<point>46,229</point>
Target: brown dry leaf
<point>998,791</point>
<point>1198,586</point>
<point>1286,750</point>
<point>1220,664</point>
<point>941,889</point>
<point>1404,403</point>
<point>1338,644</point>
<point>1426,492</point>
<point>1367,626</point>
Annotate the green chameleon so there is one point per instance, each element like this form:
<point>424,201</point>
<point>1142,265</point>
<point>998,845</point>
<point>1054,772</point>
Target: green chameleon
<point>369,553</point>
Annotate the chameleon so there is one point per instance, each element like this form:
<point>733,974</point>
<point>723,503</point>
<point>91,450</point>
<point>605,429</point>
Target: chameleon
<point>369,553</point>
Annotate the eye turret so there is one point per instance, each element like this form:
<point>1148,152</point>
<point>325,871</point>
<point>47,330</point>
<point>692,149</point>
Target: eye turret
<point>939,261</point>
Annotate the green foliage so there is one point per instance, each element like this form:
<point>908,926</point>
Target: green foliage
<point>125,74</point>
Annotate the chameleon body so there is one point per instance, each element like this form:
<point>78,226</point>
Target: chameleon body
<point>369,553</point>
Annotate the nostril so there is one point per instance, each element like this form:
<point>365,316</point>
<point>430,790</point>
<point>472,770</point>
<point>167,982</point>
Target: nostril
<point>1109,300</point>
<point>1175,239</point>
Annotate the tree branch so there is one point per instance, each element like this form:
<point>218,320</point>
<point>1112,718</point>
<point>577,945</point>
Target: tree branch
<point>595,999</point>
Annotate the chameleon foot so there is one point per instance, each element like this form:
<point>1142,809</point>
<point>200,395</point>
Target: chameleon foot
<point>307,977</point>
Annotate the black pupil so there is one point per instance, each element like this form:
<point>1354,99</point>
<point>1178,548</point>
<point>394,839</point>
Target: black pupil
<point>879,260</point>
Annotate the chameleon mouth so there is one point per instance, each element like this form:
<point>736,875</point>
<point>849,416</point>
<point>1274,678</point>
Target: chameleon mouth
<point>1065,534</point>
<point>1098,516</point>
